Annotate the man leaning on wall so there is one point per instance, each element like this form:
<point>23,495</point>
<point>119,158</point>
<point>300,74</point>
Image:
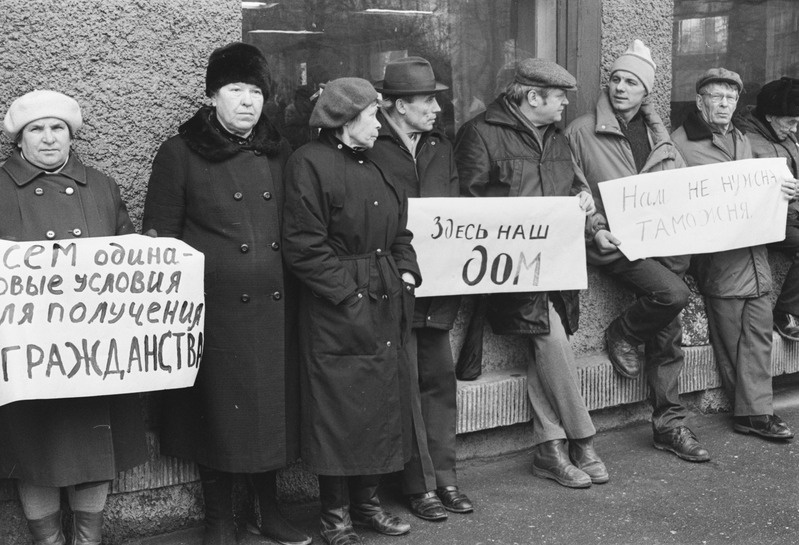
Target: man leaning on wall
<point>514,149</point>
<point>624,136</point>
<point>735,283</point>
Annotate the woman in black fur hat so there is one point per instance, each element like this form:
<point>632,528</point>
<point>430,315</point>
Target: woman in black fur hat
<point>218,185</point>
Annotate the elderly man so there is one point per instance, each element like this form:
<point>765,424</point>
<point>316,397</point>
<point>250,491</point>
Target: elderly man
<point>419,156</point>
<point>735,283</point>
<point>771,129</point>
<point>624,137</point>
<point>514,149</point>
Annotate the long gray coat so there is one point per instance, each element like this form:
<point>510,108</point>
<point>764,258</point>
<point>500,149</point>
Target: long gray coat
<point>224,198</point>
<point>60,442</point>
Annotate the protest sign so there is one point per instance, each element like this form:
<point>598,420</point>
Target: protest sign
<point>698,210</point>
<point>99,316</point>
<point>491,245</point>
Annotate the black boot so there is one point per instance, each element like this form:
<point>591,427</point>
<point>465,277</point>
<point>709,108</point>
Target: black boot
<point>87,528</point>
<point>47,530</point>
<point>334,498</point>
<point>366,509</point>
<point>273,524</point>
<point>220,528</point>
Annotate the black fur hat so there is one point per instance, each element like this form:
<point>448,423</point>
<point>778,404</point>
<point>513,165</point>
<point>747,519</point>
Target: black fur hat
<point>237,62</point>
<point>779,98</point>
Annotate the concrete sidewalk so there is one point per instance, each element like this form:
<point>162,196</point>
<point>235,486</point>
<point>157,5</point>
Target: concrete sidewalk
<point>747,494</point>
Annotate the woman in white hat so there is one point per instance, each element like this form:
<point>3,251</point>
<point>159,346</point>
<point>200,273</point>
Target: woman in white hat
<point>46,192</point>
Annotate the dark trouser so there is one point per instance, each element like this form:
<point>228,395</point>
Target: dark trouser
<point>654,319</point>
<point>788,301</point>
<point>432,463</point>
<point>740,332</point>
<point>337,491</point>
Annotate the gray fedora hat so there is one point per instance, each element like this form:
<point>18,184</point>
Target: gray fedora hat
<point>409,76</point>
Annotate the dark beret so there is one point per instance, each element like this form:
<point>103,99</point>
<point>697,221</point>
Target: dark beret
<point>341,100</point>
<point>780,98</point>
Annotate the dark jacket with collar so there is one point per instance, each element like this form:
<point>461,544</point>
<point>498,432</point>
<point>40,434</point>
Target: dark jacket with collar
<point>226,200</point>
<point>431,174</point>
<point>739,273</point>
<point>60,442</point>
<point>499,156</point>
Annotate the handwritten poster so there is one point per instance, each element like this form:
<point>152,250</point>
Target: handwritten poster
<point>492,245</point>
<point>698,210</point>
<point>99,316</point>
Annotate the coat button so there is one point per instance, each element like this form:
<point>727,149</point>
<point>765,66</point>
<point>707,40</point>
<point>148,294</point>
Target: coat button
<point>238,196</point>
<point>50,234</point>
<point>429,317</point>
<point>275,246</point>
<point>39,191</point>
<point>245,298</point>
<point>385,297</point>
<point>376,203</point>
<point>360,295</point>
<point>267,195</point>
<point>69,191</point>
<point>245,248</point>
<point>433,143</point>
<point>276,296</point>
<point>77,232</point>
<point>339,146</point>
<point>360,162</point>
<point>378,251</point>
<point>388,343</point>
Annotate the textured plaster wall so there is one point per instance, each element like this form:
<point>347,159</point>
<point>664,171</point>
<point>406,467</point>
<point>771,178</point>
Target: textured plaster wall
<point>137,69</point>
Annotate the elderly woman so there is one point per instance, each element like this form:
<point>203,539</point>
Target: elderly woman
<point>218,185</point>
<point>345,238</point>
<point>771,129</point>
<point>46,192</point>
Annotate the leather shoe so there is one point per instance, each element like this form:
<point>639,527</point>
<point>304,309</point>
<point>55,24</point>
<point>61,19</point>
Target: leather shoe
<point>382,522</point>
<point>454,500</point>
<point>682,442</point>
<point>585,458</point>
<point>623,354</point>
<point>787,325</point>
<point>769,426</point>
<point>427,506</point>
<point>551,461</point>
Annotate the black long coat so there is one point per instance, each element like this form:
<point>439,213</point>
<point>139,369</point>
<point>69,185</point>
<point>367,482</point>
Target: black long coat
<point>61,442</point>
<point>345,238</point>
<point>224,198</point>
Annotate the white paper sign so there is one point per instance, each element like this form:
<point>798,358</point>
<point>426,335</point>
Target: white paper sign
<point>698,210</point>
<point>492,245</point>
<point>99,316</point>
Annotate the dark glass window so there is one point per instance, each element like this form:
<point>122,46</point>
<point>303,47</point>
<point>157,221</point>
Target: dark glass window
<point>468,42</point>
<point>759,39</point>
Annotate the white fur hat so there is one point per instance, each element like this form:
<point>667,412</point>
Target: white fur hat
<point>38,104</point>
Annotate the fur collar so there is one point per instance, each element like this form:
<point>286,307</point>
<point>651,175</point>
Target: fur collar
<point>696,128</point>
<point>204,138</point>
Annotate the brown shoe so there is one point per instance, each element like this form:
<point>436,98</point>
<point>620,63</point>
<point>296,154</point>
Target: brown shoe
<point>585,458</point>
<point>622,352</point>
<point>551,461</point>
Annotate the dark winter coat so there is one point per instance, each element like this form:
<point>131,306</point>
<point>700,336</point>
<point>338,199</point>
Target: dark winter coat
<point>602,152</point>
<point>766,144</point>
<point>225,198</point>
<point>499,156</point>
<point>345,238</point>
<point>435,176</point>
<point>60,442</point>
<point>739,273</point>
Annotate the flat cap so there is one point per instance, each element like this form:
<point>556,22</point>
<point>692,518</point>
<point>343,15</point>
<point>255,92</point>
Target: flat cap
<point>341,100</point>
<point>39,104</point>
<point>544,73</point>
<point>720,75</point>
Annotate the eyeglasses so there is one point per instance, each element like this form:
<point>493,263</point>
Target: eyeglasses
<point>716,98</point>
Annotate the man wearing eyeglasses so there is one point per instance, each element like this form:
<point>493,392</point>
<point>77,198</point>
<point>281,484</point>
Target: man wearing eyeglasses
<point>623,137</point>
<point>771,128</point>
<point>735,283</point>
